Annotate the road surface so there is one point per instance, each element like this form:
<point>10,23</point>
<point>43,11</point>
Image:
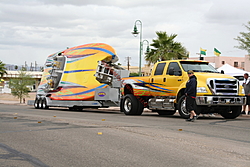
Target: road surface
<point>58,138</point>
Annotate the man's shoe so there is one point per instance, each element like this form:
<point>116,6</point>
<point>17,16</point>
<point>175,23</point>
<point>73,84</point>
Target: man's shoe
<point>190,119</point>
<point>243,112</point>
<point>211,115</point>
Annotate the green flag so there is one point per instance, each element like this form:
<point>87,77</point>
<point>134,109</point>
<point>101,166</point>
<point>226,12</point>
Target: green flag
<point>216,52</point>
<point>203,51</point>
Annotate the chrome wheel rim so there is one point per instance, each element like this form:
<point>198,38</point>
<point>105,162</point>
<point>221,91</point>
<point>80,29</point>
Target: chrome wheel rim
<point>183,108</point>
<point>127,105</point>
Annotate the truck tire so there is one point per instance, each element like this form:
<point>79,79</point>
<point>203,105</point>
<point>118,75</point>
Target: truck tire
<point>130,105</point>
<point>165,112</point>
<point>182,108</point>
<point>36,103</point>
<point>232,112</point>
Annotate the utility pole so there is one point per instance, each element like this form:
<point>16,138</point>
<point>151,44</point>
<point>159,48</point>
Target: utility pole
<point>31,68</point>
<point>128,58</point>
<point>25,66</point>
<point>35,66</point>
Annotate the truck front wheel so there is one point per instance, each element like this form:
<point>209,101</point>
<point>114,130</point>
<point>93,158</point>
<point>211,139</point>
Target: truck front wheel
<point>130,105</point>
<point>182,108</point>
<point>231,113</point>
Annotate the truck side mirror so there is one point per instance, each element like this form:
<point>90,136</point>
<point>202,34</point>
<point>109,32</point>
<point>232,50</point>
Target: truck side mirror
<point>222,72</point>
<point>171,71</point>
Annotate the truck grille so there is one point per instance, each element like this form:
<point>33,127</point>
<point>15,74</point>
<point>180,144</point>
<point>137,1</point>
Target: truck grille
<point>223,86</point>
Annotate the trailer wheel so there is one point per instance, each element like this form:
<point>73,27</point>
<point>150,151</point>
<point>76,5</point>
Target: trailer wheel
<point>40,103</point>
<point>75,108</point>
<point>130,105</point>
<point>44,104</point>
<point>165,112</point>
<point>71,109</point>
<point>36,103</point>
<point>79,108</point>
<point>182,108</point>
<point>232,112</point>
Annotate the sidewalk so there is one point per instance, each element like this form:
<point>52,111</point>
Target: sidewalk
<point>11,102</point>
<point>8,98</point>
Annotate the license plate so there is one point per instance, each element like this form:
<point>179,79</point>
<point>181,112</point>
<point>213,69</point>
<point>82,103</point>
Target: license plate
<point>227,101</point>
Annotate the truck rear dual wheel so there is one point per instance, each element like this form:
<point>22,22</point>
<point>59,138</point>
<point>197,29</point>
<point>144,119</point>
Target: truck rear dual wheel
<point>130,105</point>
<point>232,112</point>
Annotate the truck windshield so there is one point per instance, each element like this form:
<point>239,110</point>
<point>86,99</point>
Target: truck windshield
<point>198,67</point>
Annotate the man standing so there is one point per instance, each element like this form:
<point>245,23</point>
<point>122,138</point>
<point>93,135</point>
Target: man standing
<point>246,85</point>
<point>190,92</point>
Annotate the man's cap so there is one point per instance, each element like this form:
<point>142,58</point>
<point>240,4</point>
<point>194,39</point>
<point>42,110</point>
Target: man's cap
<point>190,72</point>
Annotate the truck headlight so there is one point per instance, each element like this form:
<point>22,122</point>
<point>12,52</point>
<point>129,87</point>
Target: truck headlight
<point>201,90</point>
<point>242,91</point>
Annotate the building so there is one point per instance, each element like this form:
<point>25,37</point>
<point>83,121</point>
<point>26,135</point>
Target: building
<point>145,71</point>
<point>238,62</point>
<point>4,84</point>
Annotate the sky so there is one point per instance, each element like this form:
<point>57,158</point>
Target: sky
<point>30,30</point>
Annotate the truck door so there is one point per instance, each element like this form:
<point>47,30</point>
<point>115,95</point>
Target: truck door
<point>174,76</point>
<point>157,81</point>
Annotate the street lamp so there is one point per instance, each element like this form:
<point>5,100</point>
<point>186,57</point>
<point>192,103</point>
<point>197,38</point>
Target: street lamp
<point>147,50</point>
<point>135,33</point>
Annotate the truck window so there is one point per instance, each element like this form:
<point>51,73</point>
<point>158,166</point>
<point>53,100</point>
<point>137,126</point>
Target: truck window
<point>159,69</point>
<point>198,66</point>
<point>176,67</point>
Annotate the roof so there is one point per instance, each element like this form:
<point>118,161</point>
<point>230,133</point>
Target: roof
<point>13,74</point>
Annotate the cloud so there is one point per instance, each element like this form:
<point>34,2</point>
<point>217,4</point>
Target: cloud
<point>228,12</point>
<point>31,30</point>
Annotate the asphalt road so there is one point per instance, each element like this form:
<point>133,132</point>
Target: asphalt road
<point>58,137</point>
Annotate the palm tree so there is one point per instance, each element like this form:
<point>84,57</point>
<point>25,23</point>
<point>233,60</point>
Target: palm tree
<point>165,48</point>
<point>2,69</point>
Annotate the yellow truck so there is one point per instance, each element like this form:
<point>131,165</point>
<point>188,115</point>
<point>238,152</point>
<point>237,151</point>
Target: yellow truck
<point>163,90</point>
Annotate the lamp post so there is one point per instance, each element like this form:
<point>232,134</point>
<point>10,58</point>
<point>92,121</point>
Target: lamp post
<point>147,50</point>
<point>135,33</point>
